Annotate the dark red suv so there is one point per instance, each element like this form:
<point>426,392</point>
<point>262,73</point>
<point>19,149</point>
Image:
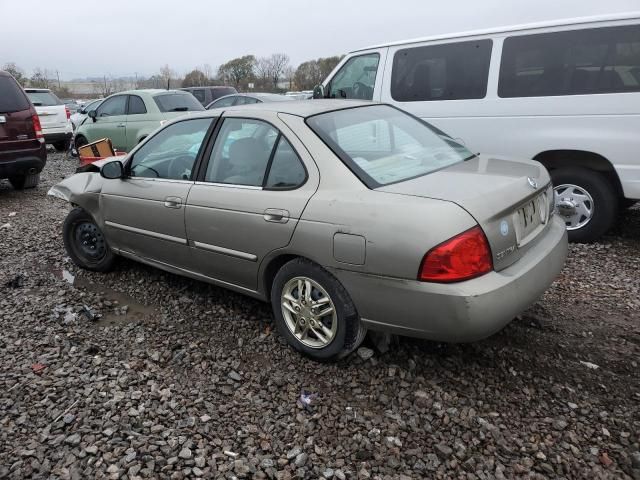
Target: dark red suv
<point>23,152</point>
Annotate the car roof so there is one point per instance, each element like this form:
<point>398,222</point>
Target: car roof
<point>514,28</point>
<point>151,91</point>
<point>300,108</point>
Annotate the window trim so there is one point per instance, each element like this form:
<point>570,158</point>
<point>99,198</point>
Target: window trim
<point>487,80</point>
<point>196,163</point>
<point>206,158</point>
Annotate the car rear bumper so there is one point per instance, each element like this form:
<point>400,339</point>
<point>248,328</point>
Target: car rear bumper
<point>58,134</point>
<point>22,162</point>
<point>458,312</point>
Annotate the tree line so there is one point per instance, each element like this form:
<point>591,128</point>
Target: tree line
<point>273,73</point>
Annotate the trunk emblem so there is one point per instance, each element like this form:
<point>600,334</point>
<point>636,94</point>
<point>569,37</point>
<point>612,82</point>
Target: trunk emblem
<point>532,183</point>
<point>504,228</point>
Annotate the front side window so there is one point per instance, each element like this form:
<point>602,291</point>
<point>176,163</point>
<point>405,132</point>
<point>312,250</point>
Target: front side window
<point>241,152</point>
<point>578,62</point>
<point>43,99</point>
<point>451,71</point>
<point>356,78</point>
<point>172,152</point>
<point>112,106</point>
<point>136,105</point>
<point>177,102</point>
<point>200,94</point>
<point>383,145</point>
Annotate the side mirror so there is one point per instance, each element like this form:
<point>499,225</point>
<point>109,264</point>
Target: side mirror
<point>318,91</point>
<point>93,115</point>
<point>112,170</point>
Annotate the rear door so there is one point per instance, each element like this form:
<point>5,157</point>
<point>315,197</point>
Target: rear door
<point>253,188</point>
<point>51,110</point>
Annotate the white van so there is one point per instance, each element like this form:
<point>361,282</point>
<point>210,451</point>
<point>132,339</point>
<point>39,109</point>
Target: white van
<point>565,93</point>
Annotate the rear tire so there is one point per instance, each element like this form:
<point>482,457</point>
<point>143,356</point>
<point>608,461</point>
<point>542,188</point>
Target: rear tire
<point>339,332</point>
<point>85,243</point>
<point>20,182</point>
<point>603,204</point>
<point>62,146</point>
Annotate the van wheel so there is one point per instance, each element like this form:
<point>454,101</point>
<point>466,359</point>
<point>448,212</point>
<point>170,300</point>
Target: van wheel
<point>314,312</point>
<point>85,243</point>
<point>627,203</point>
<point>62,146</point>
<point>586,201</point>
<point>20,182</point>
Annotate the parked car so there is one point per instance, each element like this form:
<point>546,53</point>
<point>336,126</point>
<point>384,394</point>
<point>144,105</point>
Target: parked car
<point>564,93</point>
<point>72,104</point>
<point>247,99</point>
<point>347,216</point>
<point>78,117</point>
<point>54,117</point>
<point>206,95</point>
<point>23,152</point>
<point>129,117</point>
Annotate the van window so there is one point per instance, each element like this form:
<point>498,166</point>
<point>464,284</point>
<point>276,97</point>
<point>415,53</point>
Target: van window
<point>356,78</point>
<point>452,71</point>
<point>578,62</point>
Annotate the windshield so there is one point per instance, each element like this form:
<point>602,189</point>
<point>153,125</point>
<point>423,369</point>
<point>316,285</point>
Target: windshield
<point>43,99</point>
<point>177,102</point>
<point>383,145</point>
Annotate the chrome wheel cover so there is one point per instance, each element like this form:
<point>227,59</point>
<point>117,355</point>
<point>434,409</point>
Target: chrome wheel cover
<point>574,204</point>
<point>309,312</point>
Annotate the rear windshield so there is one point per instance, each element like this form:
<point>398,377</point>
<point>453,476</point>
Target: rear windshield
<point>12,97</point>
<point>383,145</point>
<point>43,99</point>
<point>177,102</point>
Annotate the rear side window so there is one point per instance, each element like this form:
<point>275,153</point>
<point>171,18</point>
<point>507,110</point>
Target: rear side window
<point>199,94</point>
<point>578,62</point>
<point>177,102</point>
<point>12,97</point>
<point>286,170</point>
<point>43,99</point>
<point>136,105</point>
<point>453,71</point>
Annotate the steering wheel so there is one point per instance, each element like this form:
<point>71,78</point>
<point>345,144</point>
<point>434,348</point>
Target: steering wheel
<point>180,167</point>
<point>361,91</point>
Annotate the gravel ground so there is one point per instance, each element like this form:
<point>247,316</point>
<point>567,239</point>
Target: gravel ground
<point>181,379</point>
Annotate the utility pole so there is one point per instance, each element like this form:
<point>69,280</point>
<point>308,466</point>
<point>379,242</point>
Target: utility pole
<point>105,85</point>
<point>136,79</point>
<point>58,75</point>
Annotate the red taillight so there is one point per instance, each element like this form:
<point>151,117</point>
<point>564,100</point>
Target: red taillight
<point>462,257</point>
<point>37,128</point>
<point>66,109</point>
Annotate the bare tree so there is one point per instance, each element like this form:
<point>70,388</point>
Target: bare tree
<point>263,71</point>
<point>40,78</point>
<point>167,75</point>
<point>16,71</point>
<point>277,64</point>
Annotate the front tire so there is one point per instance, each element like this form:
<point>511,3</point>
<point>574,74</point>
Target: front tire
<point>80,141</point>
<point>314,312</point>
<point>586,201</point>
<point>20,182</point>
<point>85,243</point>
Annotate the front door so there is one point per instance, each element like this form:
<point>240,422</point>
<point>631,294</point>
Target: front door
<point>144,213</point>
<point>255,187</point>
<point>110,122</point>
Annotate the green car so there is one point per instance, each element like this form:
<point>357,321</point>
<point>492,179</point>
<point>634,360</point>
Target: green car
<point>129,117</point>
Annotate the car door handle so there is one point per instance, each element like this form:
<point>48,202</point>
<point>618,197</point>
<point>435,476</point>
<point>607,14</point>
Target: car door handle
<point>173,202</point>
<point>276,215</point>
<point>121,125</point>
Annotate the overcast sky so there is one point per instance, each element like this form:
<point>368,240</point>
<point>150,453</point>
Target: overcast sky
<point>122,37</point>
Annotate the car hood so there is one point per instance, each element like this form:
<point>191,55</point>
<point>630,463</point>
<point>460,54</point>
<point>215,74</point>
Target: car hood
<point>492,190</point>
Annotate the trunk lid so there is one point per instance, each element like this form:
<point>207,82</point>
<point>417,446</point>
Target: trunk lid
<point>509,199</point>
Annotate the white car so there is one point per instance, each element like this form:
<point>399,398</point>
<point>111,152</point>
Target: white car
<point>78,117</point>
<point>54,117</point>
<point>565,93</point>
